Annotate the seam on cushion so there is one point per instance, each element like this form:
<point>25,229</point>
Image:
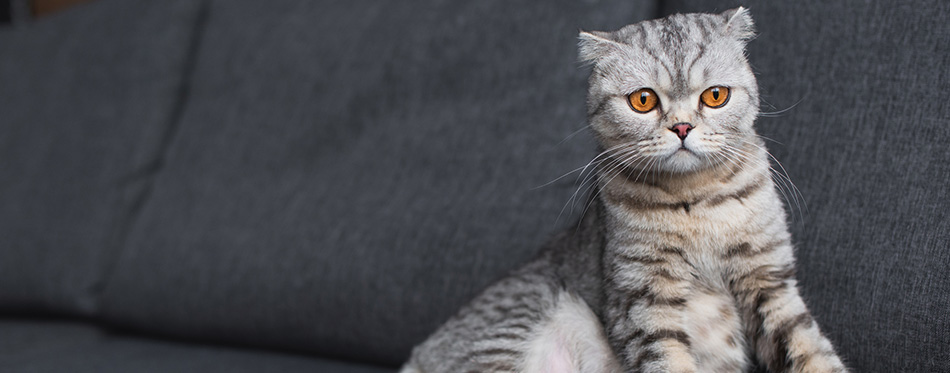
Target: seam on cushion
<point>133,198</point>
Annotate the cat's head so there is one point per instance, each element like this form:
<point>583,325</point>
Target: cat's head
<point>674,94</point>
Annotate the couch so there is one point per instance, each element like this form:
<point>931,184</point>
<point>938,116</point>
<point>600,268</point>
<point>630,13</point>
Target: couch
<point>245,186</point>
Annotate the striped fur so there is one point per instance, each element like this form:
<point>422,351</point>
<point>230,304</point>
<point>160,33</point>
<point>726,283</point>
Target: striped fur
<point>685,262</point>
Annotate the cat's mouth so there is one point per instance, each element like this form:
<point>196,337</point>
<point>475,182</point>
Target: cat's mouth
<point>683,149</point>
<point>683,159</point>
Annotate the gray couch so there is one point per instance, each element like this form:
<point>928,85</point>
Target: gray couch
<point>244,186</point>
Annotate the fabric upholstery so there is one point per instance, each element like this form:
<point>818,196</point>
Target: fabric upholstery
<point>41,346</point>
<point>347,174</point>
<point>867,88</point>
<point>5,14</point>
<point>86,98</point>
<point>338,177</point>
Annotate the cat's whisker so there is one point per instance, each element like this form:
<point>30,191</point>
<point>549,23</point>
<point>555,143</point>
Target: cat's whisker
<point>582,169</point>
<point>602,156</point>
<point>786,186</point>
<point>714,157</point>
<point>615,160</point>
<point>793,189</point>
<point>769,139</point>
<point>720,159</point>
<point>622,162</point>
<point>575,133</point>
<point>606,155</point>
<point>616,170</point>
<point>789,191</point>
<point>621,150</point>
<point>780,112</point>
<point>595,162</point>
<point>633,161</point>
<point>743,157</point>
<point>737,158</point>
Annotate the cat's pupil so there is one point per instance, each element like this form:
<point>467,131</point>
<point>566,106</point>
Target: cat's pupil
<point>715,93</point>
<point>643,98</point>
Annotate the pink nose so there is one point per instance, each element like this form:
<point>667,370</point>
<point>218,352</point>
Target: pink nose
<point>681,129</point>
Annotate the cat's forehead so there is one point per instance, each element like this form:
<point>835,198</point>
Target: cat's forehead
<point>682,52</point>
<point>677,29</point>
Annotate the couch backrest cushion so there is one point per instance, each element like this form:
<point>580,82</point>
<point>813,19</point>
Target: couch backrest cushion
<point>865,138</point>
<point>86,97</point>
<point>348,173</point>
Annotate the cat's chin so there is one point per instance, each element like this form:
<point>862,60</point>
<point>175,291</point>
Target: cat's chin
<point>683,161</point>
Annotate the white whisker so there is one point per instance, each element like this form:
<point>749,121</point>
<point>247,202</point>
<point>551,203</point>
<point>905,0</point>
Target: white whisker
<point>589,172</point>
<point>783,111</point>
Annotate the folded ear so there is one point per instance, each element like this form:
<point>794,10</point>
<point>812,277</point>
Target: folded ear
<point>739,23</point>
<point>594,45</point>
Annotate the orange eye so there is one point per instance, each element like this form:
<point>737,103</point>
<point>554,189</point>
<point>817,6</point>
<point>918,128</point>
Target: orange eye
<point>643,100</point>
<point>715,97</point>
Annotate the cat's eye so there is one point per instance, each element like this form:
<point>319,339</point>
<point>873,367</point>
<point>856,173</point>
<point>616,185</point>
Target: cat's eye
<point>643,100</point>
<point>715,97</point>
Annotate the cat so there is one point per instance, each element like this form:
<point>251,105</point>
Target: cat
<point>683,261</point>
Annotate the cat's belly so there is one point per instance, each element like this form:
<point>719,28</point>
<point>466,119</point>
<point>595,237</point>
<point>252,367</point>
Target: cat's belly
<point>715,331</point>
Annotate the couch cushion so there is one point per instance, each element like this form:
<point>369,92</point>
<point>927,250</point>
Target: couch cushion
<point>86,98</point>
<point>39,346</point>
<point>865,140</point>
<point>348,173</point>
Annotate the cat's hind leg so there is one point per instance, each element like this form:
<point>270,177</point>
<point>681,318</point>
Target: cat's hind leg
<point>525,324</point>
<point>490,333</point>
<point>571,340</point>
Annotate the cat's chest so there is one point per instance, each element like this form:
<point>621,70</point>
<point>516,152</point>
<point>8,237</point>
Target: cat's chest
<point>705,234</point>
<point>695,247</point>
<point>690,249</point>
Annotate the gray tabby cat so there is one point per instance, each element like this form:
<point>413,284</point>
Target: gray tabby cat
<point>684,261</point>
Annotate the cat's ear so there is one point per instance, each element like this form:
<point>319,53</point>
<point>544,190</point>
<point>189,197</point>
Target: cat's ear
<point>593,45</point>
<point>739,23</point>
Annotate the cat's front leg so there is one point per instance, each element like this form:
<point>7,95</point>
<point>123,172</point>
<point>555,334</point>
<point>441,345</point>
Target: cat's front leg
<point>786,337</point>
<point>647,293</point>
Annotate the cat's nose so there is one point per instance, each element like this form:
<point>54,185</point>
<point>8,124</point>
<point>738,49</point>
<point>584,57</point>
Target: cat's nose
<point>681,129</point>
